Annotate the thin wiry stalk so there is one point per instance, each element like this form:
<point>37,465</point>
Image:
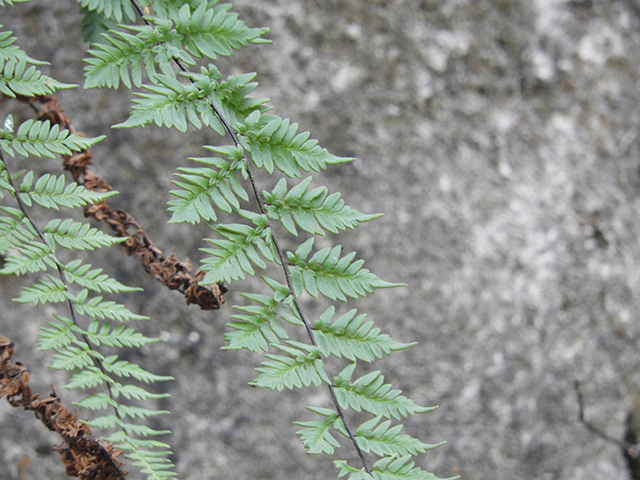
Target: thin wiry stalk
<point>61,275</point>
<point>283,261</point>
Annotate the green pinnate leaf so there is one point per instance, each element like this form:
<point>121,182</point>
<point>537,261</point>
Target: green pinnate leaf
<point>301,366</point>
<point>369,393</point>
<point>77,236</point>
<point>93,279</point>
<point>334,277</point>
<point>353,338</point>
<point>123,368</point>
<point>384,440</point>
<point>273,143</point>
<point>316,436</point>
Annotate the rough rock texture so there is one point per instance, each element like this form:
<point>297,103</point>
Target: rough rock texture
<point>500,139</point>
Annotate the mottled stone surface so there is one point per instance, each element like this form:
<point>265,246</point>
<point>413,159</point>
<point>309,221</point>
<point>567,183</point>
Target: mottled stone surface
<point>500,140</point>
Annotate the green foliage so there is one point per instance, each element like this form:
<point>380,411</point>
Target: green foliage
<point>183,34</point>
<point>177,35</point>
<point>312,210</point>
<point>329,275</point>
<point>274,142</point>
<point>350,338</point>
<point>40,139</point>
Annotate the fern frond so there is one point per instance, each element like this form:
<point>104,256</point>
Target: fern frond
<point>385,441</point>
<point>204,32</point>
<point>274,142</point>
<point>88,377</point>
<point>349,337</point>
<point>369,393</point>
<point>40,139</point>
<point>120,336</point>
<point>116,10</point>
<point>388,468</point>
<point>79,273</point>
<point>238,251</point>
<point>19,77</point>
<point>53,192</point>
<point>258,326</point>
<point>15,230</point>
<point>312,210</point>
<point>73,358</point>
<point>176,104</point>
<point>202,187</point>
<point>112,421</point>
<point>10,52</point>
<point>97,401</point>
<point>33,256</point>
<point>94,25</point>
<point>300,367</point>
<point>58,336</point>
<point>316,436</point>
<point>334,277</point>
<point>104,309</point>
<point>77,236</point>
<point>135,392</point>
<point>122,368</point>
<point>49,290</point>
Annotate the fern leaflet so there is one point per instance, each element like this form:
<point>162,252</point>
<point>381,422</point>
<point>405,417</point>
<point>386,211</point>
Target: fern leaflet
<point>369,393</point>
<point>349,337</point>
<point>331,276</point>
<point>300,367</point>
<point>312,210</point>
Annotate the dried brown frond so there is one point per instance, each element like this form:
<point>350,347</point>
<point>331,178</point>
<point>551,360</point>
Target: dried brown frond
<point>83,456</point>
<point>170,271</point>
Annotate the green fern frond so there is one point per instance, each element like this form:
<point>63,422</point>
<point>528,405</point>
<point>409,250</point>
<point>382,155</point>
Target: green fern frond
<point>97,401</point>
<point>385,441</point>
<point>300,367</point>
<point>58,336</point>
<point>258,327</point>
<point>235,254</point>
<point>10,52</point>
<point>369,393</point>
<point>77,236</point>
<point>33,256</point>
<point>49,290</point>
<point>123,368</point>
<point>274,142</point>
<point>111,59</point>
<point>94,25</point>
<point>135,392</point>
<point>15,230</point>
<point>176,104</point>
<point>104,309</point>
<point>208,32</point>
<point>79,273</point>
<point>312,210</point>
<point>19,77</point>
<point>89,377</point>
<point>388,468</point>
<point>120,336</point>
<point>204,32</point>
<point>53,192</point>
<point>316,436</point>
<point>40,139</point>
<point>202,187</point>
<point>349,337</point>
<point>331,276</point>
<point>116,10</point>
<point>73,358</point>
